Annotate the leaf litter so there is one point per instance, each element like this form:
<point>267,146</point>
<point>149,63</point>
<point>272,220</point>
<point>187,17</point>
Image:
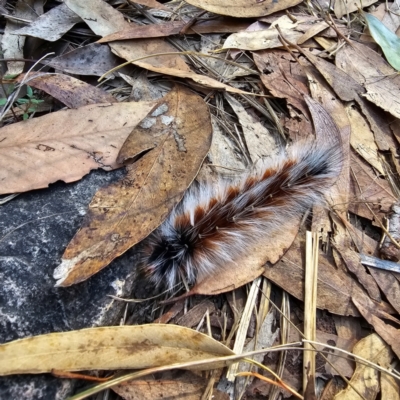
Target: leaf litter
<point>354,94</point>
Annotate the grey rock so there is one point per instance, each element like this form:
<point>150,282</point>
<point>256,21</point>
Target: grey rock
<point>35,229</point>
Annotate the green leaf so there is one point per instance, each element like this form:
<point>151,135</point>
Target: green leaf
<point>29,91</point>
<point>25,117</point>
<point>3,101</point>
<point>22,101</point>
<point>36,101</point>
<point>10,76</point>
<point>388,41</point>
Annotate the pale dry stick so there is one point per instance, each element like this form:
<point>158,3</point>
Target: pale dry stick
<point>8,198</point>
<point>310,305</point>
<point>11,99</point>
<point>285,330</point>
<point>208,391</point>
<point>261,315</point>
<point>194,364</point>
<point>241,333</point>
<point>329,20</point>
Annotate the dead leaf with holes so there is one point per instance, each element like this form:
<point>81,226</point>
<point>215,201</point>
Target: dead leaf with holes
<point>178,132</point>
<point>65,145</point>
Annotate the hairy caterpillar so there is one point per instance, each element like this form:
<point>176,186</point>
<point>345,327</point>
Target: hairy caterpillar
<point>214,223</point>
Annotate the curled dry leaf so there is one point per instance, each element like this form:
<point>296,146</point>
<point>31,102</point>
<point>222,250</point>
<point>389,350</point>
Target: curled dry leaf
<point>65,145</point>
<point>122,214</point>
<point>243,8</point>
<point>73,92</point>
<point>108,348</point>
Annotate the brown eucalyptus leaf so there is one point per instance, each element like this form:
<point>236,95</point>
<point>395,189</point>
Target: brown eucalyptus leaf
<point>243,8</point>
<point>179,133</point>
<point>108,348</point>
<point>65,145</point>
<point>182,385</point>
<point>219,25</point>
<point>71,91</point>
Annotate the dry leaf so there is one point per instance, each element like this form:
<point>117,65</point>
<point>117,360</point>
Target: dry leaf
<point>387,332</point>
<point>259,141</point>
<point>12,44</point>
<point>105,20</point>
<point>367,188</point>
<point>73,92</point>
<point>366,379</point>
<point>312,31</point>
<point>201,79</point>
<point>185,386</point>
<point>335,287</point>
<point>344,7</point>
<point>344,86</point>
<point>343,245</point>
<point>108,348</point>
<point>65,145</point>
<point>124,213</point>
<point>261,39</point>
<point>243,8</point>
<point>384,92</point>
<point>93,59</point>
<point>362,138</point>
<point>339,193</point>
<point>222,151</point>
<point>218,25</point>
<point>379,79</point>
<point>285,79</point>
<point>52,25</point>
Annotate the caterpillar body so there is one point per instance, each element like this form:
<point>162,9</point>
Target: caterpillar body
<point>215,223</point>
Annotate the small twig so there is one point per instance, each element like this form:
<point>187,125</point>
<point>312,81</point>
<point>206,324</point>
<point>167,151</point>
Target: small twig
<point>191,22</point>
